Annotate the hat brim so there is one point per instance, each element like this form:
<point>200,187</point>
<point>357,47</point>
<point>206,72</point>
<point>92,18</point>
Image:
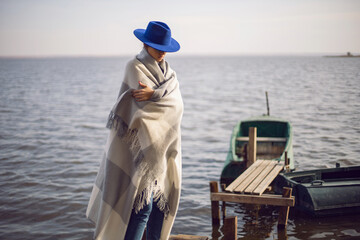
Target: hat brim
<point>174,46</point>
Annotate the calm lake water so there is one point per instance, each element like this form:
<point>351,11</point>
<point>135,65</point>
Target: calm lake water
<point>52,133</point>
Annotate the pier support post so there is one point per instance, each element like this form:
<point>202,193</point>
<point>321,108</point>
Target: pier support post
<point>287,162</point>
<point>282,234</point>
<point>230,228</point>
<point>284,211</point>
<point>252,146</point>
<point>223,205</point>
<point>215,210</point>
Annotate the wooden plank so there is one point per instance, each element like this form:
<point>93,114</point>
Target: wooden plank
<point>263,139</point>
<point>268,166</point>
<point>187,237</point>
<point>265,199</point>
<point>284,211</point>
<point>251,177</point>
<point>252,147</point>
<point>265,169</point>
<point>268,179</point>
<point>243,176</point>
<point>215,210</point>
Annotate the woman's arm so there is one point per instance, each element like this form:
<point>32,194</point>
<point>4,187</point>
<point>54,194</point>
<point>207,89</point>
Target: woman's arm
<point>143,94</point>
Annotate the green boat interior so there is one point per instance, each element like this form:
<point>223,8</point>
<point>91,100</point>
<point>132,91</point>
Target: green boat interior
<point>271,139</point>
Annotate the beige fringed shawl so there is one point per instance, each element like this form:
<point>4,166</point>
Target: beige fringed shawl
<point>142,153</point>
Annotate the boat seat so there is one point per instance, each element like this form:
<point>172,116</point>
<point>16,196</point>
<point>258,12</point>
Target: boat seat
<point>268,149</point>
<point>263,139</point>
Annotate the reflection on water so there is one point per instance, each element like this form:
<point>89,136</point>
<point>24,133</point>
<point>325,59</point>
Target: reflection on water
<point>260,222</point>
<point>53,113</point>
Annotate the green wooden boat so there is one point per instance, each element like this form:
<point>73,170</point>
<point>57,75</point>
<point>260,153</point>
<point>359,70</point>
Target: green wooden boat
<point>322,192</point>
<point>274,137</point>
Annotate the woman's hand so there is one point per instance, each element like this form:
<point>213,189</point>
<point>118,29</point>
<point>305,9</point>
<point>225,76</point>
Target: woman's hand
<point>143,94</point>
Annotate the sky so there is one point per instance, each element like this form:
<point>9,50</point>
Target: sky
<point>202,27</point>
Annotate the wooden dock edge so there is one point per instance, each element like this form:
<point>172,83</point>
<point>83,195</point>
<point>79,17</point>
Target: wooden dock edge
<point>187,237</point>
<point>265,199</point>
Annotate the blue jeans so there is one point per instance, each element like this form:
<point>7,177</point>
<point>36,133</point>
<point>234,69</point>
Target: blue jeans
<point>151,217</point>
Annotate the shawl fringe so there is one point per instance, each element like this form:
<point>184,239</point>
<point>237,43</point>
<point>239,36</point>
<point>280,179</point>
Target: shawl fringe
<point>143,199</point>
<point>126,134</point>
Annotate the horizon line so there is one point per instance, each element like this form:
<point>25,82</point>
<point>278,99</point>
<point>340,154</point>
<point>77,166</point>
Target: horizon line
<point>45,56</point>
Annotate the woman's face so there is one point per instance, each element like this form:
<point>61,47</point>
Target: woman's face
<point>156,54</point>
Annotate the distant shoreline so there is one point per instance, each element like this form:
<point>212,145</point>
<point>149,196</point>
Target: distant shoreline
<point>347,55</point>
<point>343,56</point>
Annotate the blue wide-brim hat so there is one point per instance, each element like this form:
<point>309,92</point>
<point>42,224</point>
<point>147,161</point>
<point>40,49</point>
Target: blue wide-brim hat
<point>158,35</point>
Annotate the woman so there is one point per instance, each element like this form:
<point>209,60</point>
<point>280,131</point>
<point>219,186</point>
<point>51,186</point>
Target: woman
<point>138,183</point>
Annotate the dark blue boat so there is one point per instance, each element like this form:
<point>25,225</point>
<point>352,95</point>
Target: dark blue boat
<point>333,191</point>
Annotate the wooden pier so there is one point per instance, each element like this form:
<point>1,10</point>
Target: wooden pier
<point>249,188</point>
